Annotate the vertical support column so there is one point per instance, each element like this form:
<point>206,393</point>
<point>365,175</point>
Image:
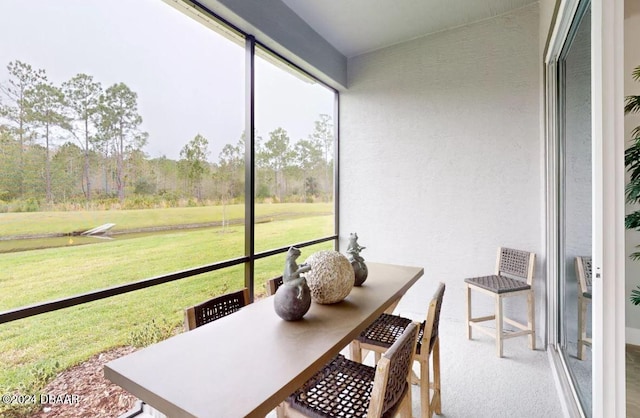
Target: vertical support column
<point>608,294</point>
<point>249,164</point>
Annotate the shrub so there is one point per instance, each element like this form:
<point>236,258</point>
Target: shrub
<point>150,333</point>
<point>39,375</point>
<point>145,187</point>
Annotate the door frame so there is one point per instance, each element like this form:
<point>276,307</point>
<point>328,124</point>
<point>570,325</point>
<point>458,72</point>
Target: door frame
<point>608,179</point>
<point>607,51</point>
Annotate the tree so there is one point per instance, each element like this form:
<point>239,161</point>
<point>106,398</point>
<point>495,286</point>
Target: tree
<point>165,172</point>
<point>193,160</point>
<point>323,136</point>
<point>82,96</point>
<point>276,155</point>
<point>9,170</point>
<point>46,111</point>
<point>228,174</point>
<point>310,187</point>
<point>119,127</point>
<point>23,78</point>
<point>137,171</point>
<point>308,155</point>
<point>310,165</point>
<point>67,166</point>
<point>230,169</point>
<point>632,162</point>
<point>33,172</point>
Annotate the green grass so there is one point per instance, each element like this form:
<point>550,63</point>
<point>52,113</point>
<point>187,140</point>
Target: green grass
<point>66,271</point>
<point>33,349</point>
<point>65,222</point>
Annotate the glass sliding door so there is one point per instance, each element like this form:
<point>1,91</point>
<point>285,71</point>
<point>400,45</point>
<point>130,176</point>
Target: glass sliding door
<point>570,203</point>
<point>575,200</point>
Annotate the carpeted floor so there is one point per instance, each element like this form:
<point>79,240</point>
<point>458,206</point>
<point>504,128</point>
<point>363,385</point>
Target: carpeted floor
<point>476,383</point>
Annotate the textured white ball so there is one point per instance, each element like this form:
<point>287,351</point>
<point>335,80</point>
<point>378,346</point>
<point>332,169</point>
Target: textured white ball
<point>331,277</point>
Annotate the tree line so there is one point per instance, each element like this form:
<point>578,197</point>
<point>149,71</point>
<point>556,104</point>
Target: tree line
<point>80,142</point>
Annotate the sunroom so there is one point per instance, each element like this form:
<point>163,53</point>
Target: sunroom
<point>439,131</point>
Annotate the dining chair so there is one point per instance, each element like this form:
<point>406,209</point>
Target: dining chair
<point>583,272</point>
<point>345,388</point>
<point>215,308</point>
<point>514,277</point>
<point>385,330</point>
<point>272,285</point>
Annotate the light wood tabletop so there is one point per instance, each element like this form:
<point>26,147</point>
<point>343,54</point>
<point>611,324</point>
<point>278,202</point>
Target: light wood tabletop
<point>245,364</point>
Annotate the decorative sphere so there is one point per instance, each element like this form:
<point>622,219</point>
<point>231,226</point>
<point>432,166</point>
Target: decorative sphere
<point>361,271</point>
<point>292,302</point>
<point>331,277</point>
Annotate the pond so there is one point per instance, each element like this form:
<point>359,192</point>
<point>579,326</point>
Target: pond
<point>39,243</point>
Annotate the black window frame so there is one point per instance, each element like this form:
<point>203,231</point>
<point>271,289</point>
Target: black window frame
<point>250,255</point>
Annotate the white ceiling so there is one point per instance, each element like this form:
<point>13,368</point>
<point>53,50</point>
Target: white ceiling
<point>354,27</point>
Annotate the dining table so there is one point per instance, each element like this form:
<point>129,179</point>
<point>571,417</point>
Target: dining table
<point>248,362</point>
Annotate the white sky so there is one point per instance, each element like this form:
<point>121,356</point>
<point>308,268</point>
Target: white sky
<point>189,79</point>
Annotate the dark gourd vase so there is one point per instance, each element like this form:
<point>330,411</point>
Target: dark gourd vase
<point>292,302</point>
<point>361,272</point>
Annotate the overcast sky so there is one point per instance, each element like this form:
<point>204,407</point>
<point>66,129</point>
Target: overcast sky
<point>188,78</point>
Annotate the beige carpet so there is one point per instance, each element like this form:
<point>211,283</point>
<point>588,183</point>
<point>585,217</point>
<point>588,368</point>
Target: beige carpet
<point>476,383</point>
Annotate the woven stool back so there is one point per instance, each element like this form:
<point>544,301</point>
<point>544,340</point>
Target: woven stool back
<point>215,308</point>
<point>393,371</point>
<point>515,263</point>
<point>586,272</point>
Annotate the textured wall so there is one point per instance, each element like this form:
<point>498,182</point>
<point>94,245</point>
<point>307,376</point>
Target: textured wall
<point>441,152</point>
<point>631,87</point>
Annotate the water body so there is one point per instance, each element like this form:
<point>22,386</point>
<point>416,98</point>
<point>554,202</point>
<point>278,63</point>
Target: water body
<point>27,244</point>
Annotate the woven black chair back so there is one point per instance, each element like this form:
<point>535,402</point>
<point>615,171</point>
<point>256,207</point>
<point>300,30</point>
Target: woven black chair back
<point>219,307</point>
<point>272,285</point>
<point>400,356</point>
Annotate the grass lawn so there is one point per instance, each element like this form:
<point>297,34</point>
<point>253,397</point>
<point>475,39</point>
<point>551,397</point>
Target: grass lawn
<point>32,350</point>
<point>66,222</point>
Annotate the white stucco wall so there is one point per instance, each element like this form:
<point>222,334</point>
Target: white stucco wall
<point>631,87</point>
<point>547,8</point>
<point>441,153</point>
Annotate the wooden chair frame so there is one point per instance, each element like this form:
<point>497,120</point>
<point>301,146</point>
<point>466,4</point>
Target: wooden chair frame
<point>190,321</point>
<point>381,379</point>
<point>272,285</point>
<point>428,358</point>
<point>500,334</point>
<point>583,303</point>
